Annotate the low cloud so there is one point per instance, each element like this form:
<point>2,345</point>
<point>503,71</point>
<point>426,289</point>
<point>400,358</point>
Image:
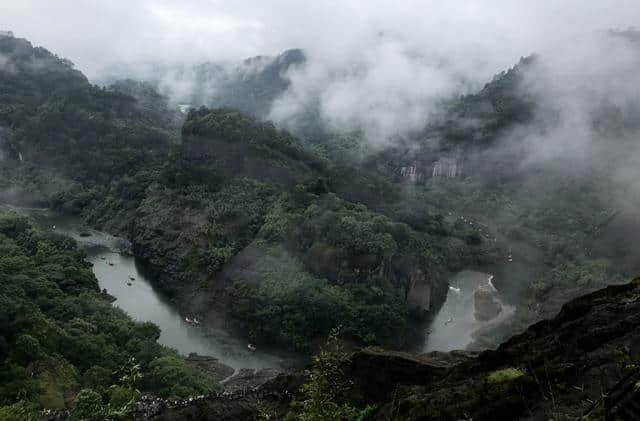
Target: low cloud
<point>373,65</point>
<point>586,95</point>
<point>6,65</point>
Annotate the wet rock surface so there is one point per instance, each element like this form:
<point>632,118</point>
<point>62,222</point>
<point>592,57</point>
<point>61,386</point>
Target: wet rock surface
<point>376,372</point>
<point>419,295</point>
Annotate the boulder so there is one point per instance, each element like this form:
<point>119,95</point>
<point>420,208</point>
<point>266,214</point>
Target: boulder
<point>487,307</point>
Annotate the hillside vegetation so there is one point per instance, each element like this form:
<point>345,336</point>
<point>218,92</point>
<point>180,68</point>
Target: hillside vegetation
<point>198,202</point>
<point>60,335</point>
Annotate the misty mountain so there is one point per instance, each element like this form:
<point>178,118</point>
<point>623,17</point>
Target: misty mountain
<point>540,166</point>
<point>250,85</point>
<point>30,75</point>
<point>61,121</point>
<point>232,186</point>
<point>281,236</point>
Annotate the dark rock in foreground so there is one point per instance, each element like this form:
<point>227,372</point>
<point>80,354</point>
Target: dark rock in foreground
<point>210,366</point>
<point>241,405</point>
<point>580,364</point>
<point>247,378</point>
<point>571,366</point>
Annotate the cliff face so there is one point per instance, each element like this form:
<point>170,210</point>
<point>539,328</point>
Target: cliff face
<point>444,167</point>
<point>425,294</point>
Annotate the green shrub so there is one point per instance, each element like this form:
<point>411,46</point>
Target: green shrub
<point>324,396</point>
<point>505,375</point>
<point>87,406</point>
<point>20,411</point>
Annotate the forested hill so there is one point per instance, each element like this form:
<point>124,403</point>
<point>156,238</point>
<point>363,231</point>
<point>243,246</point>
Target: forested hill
<point>504,158</point>
<point>242,211</point>
<point>228,191</point>
<point>255,84</point>
<point>30,75</point>
<point>199,202</point>
<point>250,85</point>
<point>52,118</point>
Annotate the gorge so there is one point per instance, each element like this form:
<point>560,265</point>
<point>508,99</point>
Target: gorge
<point>164,261</point>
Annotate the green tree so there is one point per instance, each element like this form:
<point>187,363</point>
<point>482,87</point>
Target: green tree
<point>87,406</point>
<point>27,349</point>
<point>324,394</point>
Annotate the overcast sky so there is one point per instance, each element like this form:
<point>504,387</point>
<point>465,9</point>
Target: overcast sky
<point>97,33</point>
<point>378,65</point>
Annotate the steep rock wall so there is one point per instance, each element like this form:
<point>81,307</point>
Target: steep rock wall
<point>444,167</point>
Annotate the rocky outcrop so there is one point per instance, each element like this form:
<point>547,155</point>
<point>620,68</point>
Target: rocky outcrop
<point>7,148</point>
<point>486,306</point>
<point>564,367</point>
<point>442,167</point>
<point>5,135</point>
<point>412,173</point>
<point>446,167</point>
<point>242,405</point>
<point>377,373</point>
<point>249,378</point>
<point>215,407</point>
<point>210,366</point>
<point>419,293</point>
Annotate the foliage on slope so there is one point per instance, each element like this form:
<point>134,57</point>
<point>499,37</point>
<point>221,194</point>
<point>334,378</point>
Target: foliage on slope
<point>190,207</point>
<point>239,190</point>
<point>321,262</point>
<point>60,334</point>
<point>63,131</point>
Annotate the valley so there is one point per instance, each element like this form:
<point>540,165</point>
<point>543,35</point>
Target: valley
<point>165,261</point>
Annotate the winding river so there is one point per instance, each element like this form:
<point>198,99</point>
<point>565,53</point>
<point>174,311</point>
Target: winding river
<point>124,278</point>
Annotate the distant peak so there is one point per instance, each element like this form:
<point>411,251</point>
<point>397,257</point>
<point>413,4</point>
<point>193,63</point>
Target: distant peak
<point>284,59</point>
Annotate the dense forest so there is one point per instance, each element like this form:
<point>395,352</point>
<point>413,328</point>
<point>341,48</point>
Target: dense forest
<point>62,340</point>
<point>196,201</point>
